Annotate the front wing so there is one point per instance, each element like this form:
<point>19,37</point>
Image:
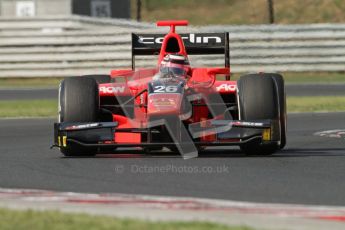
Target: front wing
<point>103,134</point>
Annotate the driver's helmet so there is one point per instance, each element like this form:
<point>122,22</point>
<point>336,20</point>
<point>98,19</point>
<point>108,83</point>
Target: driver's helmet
<point>176,65</point>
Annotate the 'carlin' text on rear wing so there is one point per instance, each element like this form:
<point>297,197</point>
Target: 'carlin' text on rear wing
<point>195,44</point>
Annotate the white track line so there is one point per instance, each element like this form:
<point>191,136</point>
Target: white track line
<point>335,133</point>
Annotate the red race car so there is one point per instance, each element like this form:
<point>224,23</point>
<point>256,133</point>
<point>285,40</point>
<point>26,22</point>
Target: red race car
<point>173,105</point>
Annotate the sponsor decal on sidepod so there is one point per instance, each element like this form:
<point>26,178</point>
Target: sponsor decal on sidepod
<point>226,87</point>
<point>112,89</point>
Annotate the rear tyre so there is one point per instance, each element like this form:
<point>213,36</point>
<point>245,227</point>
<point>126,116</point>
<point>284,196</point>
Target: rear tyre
<point>78,102</point>
<point>257,96</point>
<point>279,81</point>
<point>100,79</point>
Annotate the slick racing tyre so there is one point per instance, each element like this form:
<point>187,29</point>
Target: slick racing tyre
<point>78,102</point>
<point>279,81</point>
<point>257,96</point>
<point>100,79</point>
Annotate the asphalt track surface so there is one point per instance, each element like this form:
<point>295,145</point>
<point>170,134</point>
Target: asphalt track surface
<point>311,170</point>
<point>291,90</point>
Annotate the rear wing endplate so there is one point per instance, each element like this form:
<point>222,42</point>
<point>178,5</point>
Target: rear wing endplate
<point>195,44</point>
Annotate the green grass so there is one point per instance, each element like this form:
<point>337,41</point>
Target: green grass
<point>309,77</point>
<point>54,220</point>
<point>202,12</point>
<point>28,108</point>
<point>316,104</point>
<point>29,82</point>
<point>300,78</point>
<point>48,108</point>
<point>318,78</point>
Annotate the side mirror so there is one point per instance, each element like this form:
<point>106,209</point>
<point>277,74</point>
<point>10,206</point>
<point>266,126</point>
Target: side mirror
<point>205,77</point>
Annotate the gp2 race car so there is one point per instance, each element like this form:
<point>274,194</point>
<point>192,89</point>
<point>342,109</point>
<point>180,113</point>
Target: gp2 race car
<point>184,111</point>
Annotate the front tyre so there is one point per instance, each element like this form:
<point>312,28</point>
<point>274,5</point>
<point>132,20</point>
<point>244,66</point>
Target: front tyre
<point>78,102</point>
<point>257,96</point>
<point>279,82</point>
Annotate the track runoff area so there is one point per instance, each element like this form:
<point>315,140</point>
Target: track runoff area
<point>297,188</point>
<point>160,208</point>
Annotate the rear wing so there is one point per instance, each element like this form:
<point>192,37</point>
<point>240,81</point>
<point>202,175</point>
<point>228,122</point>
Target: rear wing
<point>195,44</point>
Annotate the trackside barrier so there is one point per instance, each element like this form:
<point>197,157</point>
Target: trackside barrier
<point>69,46</point>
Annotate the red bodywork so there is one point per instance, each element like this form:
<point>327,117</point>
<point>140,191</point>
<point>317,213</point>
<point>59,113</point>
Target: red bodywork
<point>127,83</point>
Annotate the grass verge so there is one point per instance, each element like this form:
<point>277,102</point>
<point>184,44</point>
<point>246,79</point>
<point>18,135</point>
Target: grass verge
<point>29,82</point>
<point>48,108</point>
<point>28,108</point>
<point>242,11</point>
<point>315,78</point>
<point>54,220</point>
<point>316,104</point>
<point>290,78</point>
<point>309,78</point>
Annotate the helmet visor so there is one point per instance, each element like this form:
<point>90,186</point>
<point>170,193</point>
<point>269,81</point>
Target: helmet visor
<point>173,70</point>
